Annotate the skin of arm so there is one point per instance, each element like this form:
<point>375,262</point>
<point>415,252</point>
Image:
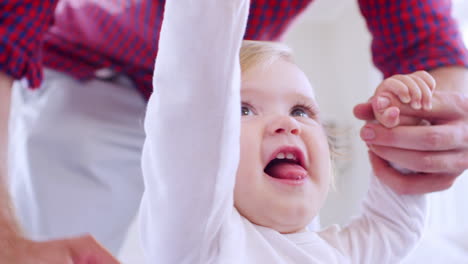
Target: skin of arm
<point>439,152</point>
<point>14,246</point>
<point>8,222</point>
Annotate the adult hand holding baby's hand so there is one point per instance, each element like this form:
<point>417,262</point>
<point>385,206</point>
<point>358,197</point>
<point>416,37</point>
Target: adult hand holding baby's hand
<point>82,250</point>
<point>413,89</point>
<point>439,152</point>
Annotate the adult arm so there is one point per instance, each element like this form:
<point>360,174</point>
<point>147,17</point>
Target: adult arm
<point>8,224</point>
<point>409,36</point>
<point>192,126</point>
<point>413,35</point>
<point>22,26</point>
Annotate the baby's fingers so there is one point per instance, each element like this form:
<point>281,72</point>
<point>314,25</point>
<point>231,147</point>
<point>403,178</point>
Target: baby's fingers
<point>384,111</point>
<point>427,85</point>
<point>427,78</point>
<point>414,90</point>
<point>390,117</point>
<point>426,92</point>
<point>397,88</point>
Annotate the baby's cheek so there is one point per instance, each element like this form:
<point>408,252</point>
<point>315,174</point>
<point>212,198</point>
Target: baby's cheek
<point>318,146</point>
<point>248,142</point>
<point>249,151</point>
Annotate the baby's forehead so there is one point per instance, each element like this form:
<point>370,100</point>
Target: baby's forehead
<point>280,77</point>
<point>262,89</point>
<point>287,94</point>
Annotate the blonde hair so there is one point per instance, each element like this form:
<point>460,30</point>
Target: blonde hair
<point>263,54</point>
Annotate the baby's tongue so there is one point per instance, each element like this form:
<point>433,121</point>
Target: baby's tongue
<point>285,170</point>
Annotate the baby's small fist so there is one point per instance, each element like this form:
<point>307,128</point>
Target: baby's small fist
<point>385,113</point>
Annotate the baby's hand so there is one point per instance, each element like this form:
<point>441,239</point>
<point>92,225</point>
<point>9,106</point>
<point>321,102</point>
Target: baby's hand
<point>414,89</point>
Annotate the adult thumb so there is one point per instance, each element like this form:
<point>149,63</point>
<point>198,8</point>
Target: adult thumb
<point>86,250</point>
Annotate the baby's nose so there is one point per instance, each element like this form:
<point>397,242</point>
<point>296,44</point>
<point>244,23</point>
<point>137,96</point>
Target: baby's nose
<point>285,125</point>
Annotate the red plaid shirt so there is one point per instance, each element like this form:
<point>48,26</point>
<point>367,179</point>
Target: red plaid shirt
<point>82,36</point>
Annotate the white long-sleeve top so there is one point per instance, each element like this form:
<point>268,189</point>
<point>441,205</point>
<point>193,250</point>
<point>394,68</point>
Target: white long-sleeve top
<point>191,154</point>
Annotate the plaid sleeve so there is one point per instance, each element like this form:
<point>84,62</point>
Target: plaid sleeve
<point>22,27</point>
<point>410,35</point>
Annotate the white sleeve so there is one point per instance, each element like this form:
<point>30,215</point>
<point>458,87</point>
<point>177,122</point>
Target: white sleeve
<point>192,125</point>
<point>389,227</point>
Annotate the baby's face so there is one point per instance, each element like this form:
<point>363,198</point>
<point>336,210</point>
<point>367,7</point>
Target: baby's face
<point>284,171</point>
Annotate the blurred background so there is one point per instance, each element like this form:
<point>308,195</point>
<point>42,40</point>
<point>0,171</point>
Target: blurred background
<point>332,46</point>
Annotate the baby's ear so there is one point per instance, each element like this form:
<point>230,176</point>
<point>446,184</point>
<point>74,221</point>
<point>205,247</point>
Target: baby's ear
<point>386,109</point>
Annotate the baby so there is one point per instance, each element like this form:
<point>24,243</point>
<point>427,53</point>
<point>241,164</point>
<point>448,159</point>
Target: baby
<point>224,187</point>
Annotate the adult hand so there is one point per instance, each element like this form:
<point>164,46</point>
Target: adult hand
<point>82,250</point>
<point>438,153</point>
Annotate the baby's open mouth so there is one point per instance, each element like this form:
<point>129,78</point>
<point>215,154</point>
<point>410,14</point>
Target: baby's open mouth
<point>286,165</point>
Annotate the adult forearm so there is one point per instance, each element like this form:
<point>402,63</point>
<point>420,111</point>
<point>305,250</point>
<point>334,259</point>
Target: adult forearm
<point>451,78</point>
<point>8,223</point>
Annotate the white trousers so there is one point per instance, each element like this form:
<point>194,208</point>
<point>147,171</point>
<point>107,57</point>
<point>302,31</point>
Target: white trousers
<point>74,157</point>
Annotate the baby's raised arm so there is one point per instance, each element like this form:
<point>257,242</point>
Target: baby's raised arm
<point>414,89</point>
<point>192,127</point>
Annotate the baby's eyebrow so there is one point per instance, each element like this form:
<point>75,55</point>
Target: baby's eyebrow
<point>306,99</point>
<point>295,96</point>
<point>248,89</point>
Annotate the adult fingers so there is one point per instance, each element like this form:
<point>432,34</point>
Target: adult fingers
<point>454,162</point>
<point>24,251</point>
<point>445,106</point>
<point>364,111</point>
<point>423,138</point>
<point>412,121</point>
<point>415,183</point>
<point>86,250</point>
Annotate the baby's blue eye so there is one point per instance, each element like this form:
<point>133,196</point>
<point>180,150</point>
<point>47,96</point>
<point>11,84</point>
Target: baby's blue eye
<point>299,112</point>
<point>246,110</point>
